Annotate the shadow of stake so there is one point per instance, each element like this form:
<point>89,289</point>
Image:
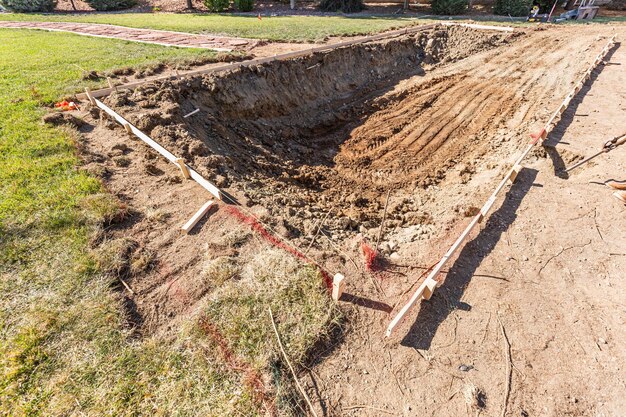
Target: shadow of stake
<point>567,119</point>
<point>448,298</point>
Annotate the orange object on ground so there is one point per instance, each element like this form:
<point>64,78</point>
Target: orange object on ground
<point>66,106</point>
<point>371,256</point>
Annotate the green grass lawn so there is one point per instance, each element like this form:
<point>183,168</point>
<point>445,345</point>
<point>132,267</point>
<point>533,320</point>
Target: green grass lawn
<point>282,28</point>
<point>279,28</point>
<point>64,346</point>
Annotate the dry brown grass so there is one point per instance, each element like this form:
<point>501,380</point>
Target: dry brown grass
<point>303,310</point>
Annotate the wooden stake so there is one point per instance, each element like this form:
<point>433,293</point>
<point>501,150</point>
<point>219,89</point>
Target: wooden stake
<point>382,223</point>
<point>516,170</point>
<point>110,82</point>
<point>339,286</point>
<point>129,130</point>
<point>89,96</point>
<point>429,289</point>
<point>126,286</point>
<point>183,168</point>
<point>196,217</point>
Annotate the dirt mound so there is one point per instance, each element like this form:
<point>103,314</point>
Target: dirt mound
<point>287,132</point>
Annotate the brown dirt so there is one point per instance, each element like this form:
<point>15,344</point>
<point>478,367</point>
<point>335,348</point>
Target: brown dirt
<point>546,264</point>
<point>437,122</point>
<point>232,141</point>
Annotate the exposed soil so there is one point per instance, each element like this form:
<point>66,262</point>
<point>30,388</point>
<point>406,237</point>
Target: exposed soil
<point>546,266</point>
<point>291,132</point>
<point>434,117</point>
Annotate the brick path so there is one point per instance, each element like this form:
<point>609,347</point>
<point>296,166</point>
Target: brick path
<point>159,37</point>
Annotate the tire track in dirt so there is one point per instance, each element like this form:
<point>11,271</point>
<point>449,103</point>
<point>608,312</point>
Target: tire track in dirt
<point>434,116</point>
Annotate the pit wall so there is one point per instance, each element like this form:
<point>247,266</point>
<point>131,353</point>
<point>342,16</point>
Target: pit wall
<point>273,118</point>
<point>309,92</point>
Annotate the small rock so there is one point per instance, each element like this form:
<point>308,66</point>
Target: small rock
<point>198,149</point>
<point>151,169</point>
<point>344,222</point>
<point>309,227</point>
<point>602,341</point>
<point>121,147</point>
<point>465,368</point>
<point>121,161</point>
<point>221,181</point>
<point>385,249</point>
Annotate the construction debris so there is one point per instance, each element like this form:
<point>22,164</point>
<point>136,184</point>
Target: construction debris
<point>196,217</point>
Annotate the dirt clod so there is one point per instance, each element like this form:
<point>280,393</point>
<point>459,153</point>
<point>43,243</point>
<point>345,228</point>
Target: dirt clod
<point>58,118</point>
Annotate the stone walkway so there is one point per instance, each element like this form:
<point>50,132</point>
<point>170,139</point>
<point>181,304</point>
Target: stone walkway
<point>159,37</point>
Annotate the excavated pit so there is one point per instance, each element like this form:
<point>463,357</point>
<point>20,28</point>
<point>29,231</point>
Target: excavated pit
<point>332,130</point>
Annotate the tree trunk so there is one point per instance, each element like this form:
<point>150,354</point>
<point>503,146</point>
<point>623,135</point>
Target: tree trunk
<point>190,4</point>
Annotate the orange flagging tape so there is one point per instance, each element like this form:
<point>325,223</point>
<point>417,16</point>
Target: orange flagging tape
<point>258,227</point>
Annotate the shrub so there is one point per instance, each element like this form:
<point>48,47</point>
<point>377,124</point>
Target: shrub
<point>104,5</point>
<point>346,6</point>
<point>512,7</point>
<point>244,5</point>
<point>617,5</point>
<point>29,5</point>
<point>217,5</point>
<point>449,7</point>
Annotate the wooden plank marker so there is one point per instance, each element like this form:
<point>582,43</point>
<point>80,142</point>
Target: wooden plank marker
<point>129,130</point>
<point>196,217</point>
<point>183,168</point>
<point>110,82</point>
<point>89,96</point>
<point>516,170</point>
<point>160,149</point>
<point>429,289</point>
<point>339,285</point>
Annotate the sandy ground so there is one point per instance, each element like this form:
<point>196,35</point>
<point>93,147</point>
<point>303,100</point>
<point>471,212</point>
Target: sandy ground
<point>440,136</point>
<point>546,266</point>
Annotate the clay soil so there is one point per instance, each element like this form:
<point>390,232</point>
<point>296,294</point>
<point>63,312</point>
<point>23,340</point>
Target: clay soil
<point>313,145</point>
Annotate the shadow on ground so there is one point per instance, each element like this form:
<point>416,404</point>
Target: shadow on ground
<point>567,118</point>
<point>433,312</point>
